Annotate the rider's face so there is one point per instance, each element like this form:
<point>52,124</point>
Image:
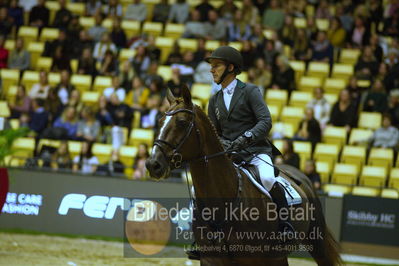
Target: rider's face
<point>217,69</point>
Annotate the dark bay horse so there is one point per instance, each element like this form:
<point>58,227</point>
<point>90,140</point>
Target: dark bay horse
<point>187,135</point>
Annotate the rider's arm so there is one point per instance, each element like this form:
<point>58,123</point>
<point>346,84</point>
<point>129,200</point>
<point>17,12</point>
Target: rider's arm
<point>264,121</point>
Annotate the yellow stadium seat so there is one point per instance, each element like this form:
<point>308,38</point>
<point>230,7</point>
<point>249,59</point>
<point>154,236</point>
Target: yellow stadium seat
<point>76,8</point>
<point>274,112</point>
<point>29,34</point>
<point>331,98</point>
<point>326,153</point>
<point>394,178</point>
<point>29,78</point>
<point>11,93</point>
<point>370,120</point>
<point>349,56</point>
<point>322,24</point>
<point>236,45</point>
<point>292,115</point>
<point>165,44</point>
<point>74,148</point>
<point>304,149</point>
<point>81,82</point>
<point>10,45</point>
<point>381,157</point>
<point>363,83</point>
<point>354,155</point>
<point>35,49</point>
<point>198,102</point>
<point>74,65</point>
<point>211,45</point>
<point>300,22</point>
<point>276,97</point>
<point>187,44</point>
<point>107,23</point>
<point>14,123</point>
<point>334,190</point>
<point>344,174</point>
<point>44,63</point>
<point>334,85</point>
<point>48,142</point>
<point>299,67</point>
<point>49,34</point>
<point>165,72</point>
<point>138,136</point>
<point>131,27</point>
<point>278,143</point>
<point>153,28</point>
<point>269,33</point>
<point>23,148</point>
<point>342,71</point>
<point>300,98</point>
<point>283,129</point>
<point>102,152</point>
<point>127,155</point>
<point>173,30</point>
<point>334,135</point>
<point>318,69</point>
<point>243,76</point>
<point>323,168</point>
<point>53,6</point>
<point>359,135</point>
<point>90,97</point>
<point>201,92</point>
<point>136,119</point>
<point>102,82</point>
<point>366,191</point>
<point>4,110</point>
<point>389,193</point>
<point>54,78</point>
<point>9,77</point>
<point>309,83</point>
<point>87,22</point>
<point>374,176</point>
<point>126,54</point>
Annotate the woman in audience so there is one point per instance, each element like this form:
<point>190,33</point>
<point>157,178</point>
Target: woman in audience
<point>139,94</point>
<point>61,159</point>
<point>22,103</point>
<point>311,173</point>
<point>283,75</point>
<point>289,157</point>
<point>109,65</point>
<point>344,113</point>
<point>320,106</point>
<point>141,61</point>
<point>68,121</point>
<point>103,115</point>
<point>88,127</point>
<point>40,90</point>
<point>87,64</point>
<point>86,162</point>
<point>309,128</point>
<point>376,99</point>
<point>139,169</point>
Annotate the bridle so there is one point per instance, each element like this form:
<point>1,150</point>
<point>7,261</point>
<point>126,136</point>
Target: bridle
<point>176,158</point>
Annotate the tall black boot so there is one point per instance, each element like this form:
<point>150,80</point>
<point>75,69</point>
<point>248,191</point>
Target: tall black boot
<point>278,194</point>
<point>193,253</point>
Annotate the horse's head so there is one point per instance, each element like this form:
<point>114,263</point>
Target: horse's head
<point>174,139</point>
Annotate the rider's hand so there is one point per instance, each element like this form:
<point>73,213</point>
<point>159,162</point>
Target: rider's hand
<point>239,143</point>
<point>225,143</point>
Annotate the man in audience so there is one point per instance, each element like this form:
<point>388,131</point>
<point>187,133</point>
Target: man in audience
<point>19,57</point>
<point>136,11</point>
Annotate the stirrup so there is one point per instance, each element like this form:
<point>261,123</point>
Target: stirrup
<point>193,253</point>
<point>287,232</point>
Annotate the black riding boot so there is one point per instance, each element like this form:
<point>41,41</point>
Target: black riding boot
<point>278,194</point>
<point>193,253</point>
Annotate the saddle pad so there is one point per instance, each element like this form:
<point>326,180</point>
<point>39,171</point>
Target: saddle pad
<point>292,196</point>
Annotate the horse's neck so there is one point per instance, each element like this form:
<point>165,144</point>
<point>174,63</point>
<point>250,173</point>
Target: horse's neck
<point>216,178</point>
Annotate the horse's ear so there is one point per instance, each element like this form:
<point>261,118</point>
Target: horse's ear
<point>186,94</point>
<point>170,96</point>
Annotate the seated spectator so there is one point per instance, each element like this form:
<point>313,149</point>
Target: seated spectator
<point>121,113</point>
<point>86,162</point>
<point>355,91</point>
<point>139,162</point>
<point>309,128</point>
<point>260,74</point>
<point>250,13</point>
<point>53,105</point>
<point>179,12</point>
<point>149,114</point>
<point>360,34</point>
<point>38,118</point>
<point>16,12</point>
<point>73,29</point>
<point>157,88</point>
<point>391,24</point>
<point>137,97</point>
<point>152,74</point>
<point>19,57</point>
<point>87,64</point>
<point>249,55</point>
<point>175,83</point>
<point>203,72</point>
<point>40,90</point>
<point>323,10</point>
<point>270,52</point>
<point>367,66</point>
<point>336,34</point>
<point>109,65</point>
<point>62,41</point>
<point>141,61</point>
<point>126,74</point>
<point>320,106</point>
<point>64,88</point>
<point>75,102</point>
<point>376,99</point>
<point>322,50</point>
<point>289,157</point>
<point>63,16</point>
<point>103,115</point>
<point>237,29</point>
<point>39,15</point>
<point>175,56</point>
<point>283,75</point>
<point>376,47</point>
<point>160,12</point>
<point>136,11</point>
<point>88,127</point>
<point>118,35</point>
<point>311,173</point>
<point>68,122</point>
<point>97,31</point>
<point>61,60</point>
<point>113,9</point>
<point>288,31</point>
<point>394,107</point>
<point>80,44</point>
<point>114,167</point>
<point>194,28</point>
<point>152,49</point>
<point>273,17</point>
<point>301,49</point>
<point>93,7</point>
<point>227,10</point>
<point>344,112</point>
<point>61,158</point>
<point>186,68</point>
<point>6,22</point>
<point>22,103</point>
<point>115,88</point>
<point>103,46</point>
<point>258,39</point>
<point>215,27</point>
<point>199,54</point>
<point>203,8</point>
<point>3,53</point>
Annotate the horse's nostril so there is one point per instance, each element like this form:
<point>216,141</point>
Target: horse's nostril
<point>156,166</point>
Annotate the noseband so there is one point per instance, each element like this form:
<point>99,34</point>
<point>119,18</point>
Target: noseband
<point>176,158</point>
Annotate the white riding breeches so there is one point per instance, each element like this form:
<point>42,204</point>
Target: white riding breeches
<point>266,170</point>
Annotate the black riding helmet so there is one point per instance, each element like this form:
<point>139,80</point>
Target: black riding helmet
<point>229,55</point>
